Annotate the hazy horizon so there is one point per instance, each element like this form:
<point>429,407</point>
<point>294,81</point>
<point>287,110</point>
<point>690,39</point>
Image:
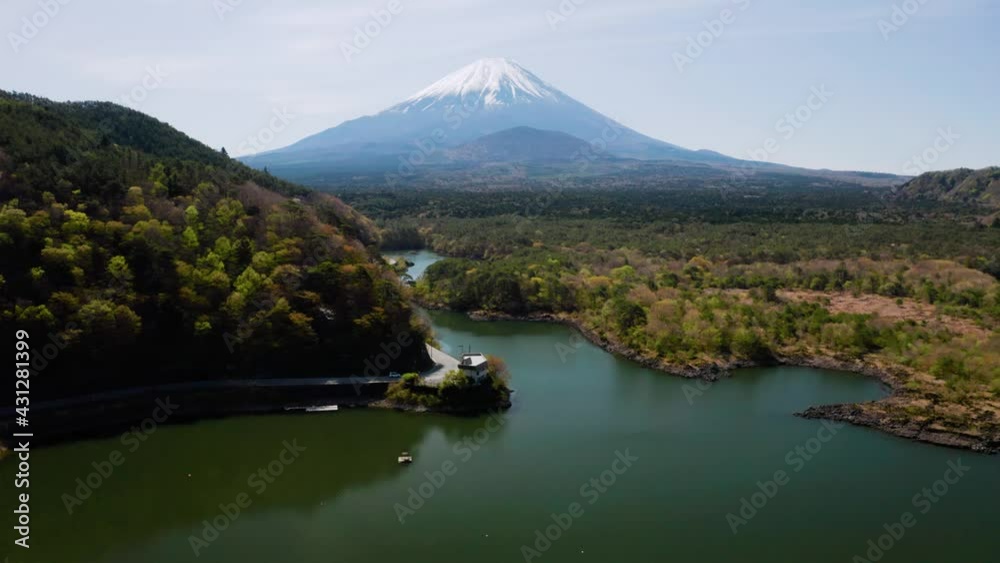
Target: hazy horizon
<point>219,70</point>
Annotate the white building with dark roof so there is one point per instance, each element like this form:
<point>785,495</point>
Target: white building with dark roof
<point>474,365</point>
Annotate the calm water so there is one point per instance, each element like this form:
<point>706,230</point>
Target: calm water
<point>699,451</point>
<point>421,260</point>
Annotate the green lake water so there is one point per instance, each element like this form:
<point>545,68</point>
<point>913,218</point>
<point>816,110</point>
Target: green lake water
<point>695,452</point>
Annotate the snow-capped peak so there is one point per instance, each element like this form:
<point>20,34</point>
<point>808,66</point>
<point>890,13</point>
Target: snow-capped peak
<point>486,82</point>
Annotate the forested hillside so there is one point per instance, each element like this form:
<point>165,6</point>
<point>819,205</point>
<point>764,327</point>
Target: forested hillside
<point>149,257</point>
<point>700,281</point>
<point>966,186</point>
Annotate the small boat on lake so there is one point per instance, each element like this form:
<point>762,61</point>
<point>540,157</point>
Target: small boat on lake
<point>329,408</point>
<point>405,458</point>
<point>324,408</point>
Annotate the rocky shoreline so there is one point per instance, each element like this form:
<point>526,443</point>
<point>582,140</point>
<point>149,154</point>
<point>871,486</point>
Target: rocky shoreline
<point>911,430</point>
<point>712,372</point>
<point>873,414</point>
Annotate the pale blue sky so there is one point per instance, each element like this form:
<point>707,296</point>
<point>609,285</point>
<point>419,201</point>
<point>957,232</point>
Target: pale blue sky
<point>225,76</point>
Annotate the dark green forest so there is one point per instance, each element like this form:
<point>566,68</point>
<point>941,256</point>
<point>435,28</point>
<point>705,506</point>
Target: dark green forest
<point>726,224</point>
<point>147,257</point>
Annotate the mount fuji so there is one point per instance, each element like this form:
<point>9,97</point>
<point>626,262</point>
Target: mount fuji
<point>494,121</point>
<point>486,97</point>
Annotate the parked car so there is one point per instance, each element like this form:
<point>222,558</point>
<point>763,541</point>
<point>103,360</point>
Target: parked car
<point>395,374</point>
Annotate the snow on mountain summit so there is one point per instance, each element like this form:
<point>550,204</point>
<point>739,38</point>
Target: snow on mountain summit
<point>486,82</point>
<point>486,97</point>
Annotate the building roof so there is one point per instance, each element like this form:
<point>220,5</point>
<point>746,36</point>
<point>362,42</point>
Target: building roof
<point>473,360</point>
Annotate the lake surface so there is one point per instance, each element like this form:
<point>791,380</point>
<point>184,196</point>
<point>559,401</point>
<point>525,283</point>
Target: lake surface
<point>421,260</point>
<point>694,452</point>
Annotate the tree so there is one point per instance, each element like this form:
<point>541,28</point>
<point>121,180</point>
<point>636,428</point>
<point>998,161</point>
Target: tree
<point>498,371</point>
<point>746,343</point>
<point>158,179</point>
<point>627,314</point>
<point>106,324</point>
<point>249,282</point>
<point>189,238</point>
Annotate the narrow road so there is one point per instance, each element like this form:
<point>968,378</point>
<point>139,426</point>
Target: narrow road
<point>443,363</point>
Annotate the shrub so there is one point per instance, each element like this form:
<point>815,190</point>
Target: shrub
<point>948,367</point>
<point>455,382</point>
<point>407,391</point>
<point>747,344</point>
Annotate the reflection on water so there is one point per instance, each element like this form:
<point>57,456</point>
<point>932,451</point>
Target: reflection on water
<point>421,260</point>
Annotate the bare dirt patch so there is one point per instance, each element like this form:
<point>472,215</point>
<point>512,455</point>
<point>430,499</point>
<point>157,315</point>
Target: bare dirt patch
<point>888,308</point>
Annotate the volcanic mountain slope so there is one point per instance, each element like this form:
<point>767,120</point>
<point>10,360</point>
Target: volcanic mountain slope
<point>485,97</point>
<point>443,133</point>
<point>525,144</point>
